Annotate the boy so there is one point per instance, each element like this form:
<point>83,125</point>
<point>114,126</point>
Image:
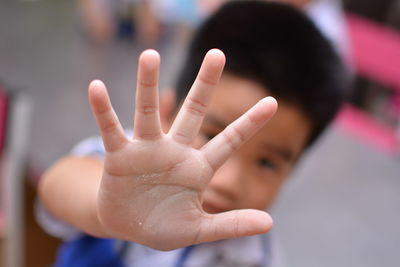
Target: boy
<point>198,182</point>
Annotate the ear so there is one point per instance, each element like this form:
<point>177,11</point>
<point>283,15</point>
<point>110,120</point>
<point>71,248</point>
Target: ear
<point>167,107</point>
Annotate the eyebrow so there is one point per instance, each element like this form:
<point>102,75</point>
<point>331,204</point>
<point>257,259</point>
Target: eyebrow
<point>283,153</point>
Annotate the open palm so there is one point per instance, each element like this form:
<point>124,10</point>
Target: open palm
<point>152,185</point>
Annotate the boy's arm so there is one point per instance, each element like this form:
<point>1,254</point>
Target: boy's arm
<point>150,188</point>
<point>69,190</point>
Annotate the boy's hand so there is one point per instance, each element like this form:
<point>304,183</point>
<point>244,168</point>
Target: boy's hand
<point>152,184</point>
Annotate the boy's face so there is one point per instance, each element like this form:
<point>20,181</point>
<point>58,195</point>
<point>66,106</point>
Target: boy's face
<point>252,176</point>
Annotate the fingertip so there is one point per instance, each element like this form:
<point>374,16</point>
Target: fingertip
<point>150,57</point>
<point>271,101</point>
<point>96,83</point>
<point>272,104</point>
<point>216,51</point>
<point>216,54</point>
<point>267,222</point>
<point>95,88</point>
<point>98,95</point>
<point>258,222</point>
<point>151,52</point>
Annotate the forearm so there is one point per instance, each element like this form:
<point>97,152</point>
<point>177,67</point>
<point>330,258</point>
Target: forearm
<point>69,189</point>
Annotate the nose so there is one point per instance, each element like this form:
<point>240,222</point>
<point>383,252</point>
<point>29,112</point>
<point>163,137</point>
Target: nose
<point>228,179</point>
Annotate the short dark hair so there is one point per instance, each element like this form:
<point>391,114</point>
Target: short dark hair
<point>278,47</point>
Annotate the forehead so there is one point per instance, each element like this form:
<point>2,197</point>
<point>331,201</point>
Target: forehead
<point>288,129</point>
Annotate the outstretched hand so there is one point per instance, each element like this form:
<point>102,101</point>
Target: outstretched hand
<point>152,184</point>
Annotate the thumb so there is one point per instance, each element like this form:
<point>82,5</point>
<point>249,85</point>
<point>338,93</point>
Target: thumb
<point>233,224</point>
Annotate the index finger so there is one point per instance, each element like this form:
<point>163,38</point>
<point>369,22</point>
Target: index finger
<point>238,132</point>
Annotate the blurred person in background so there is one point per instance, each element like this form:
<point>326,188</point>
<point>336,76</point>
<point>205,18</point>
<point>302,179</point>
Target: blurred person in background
<point>147,20</point>
<point>99,19</point>
<point>142,20</point>
<point>114,207</point>
<point>106,20</point>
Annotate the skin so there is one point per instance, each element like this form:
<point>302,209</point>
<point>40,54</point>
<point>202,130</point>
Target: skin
<point>165,189</point>
<point>253,175</point>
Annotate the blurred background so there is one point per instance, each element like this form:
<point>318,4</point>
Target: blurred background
<point>340,208</point>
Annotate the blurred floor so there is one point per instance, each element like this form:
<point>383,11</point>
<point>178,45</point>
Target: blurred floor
<point>340,208</point>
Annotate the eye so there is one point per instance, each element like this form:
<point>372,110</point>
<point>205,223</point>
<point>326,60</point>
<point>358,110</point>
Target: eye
<point>267,164</point>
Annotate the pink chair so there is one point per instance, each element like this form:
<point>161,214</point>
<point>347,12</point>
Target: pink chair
<point>3,130</point>
<point>376,56</point>
<point>15,114</point>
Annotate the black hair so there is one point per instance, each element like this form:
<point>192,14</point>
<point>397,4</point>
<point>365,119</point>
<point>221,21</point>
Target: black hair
<point>278,47</point>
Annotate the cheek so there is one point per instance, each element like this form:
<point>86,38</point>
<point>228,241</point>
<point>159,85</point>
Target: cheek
<point>263,190</point>
<point>260,198</point>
